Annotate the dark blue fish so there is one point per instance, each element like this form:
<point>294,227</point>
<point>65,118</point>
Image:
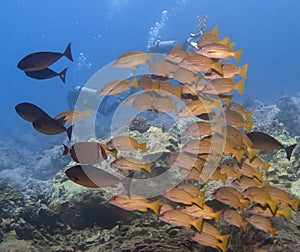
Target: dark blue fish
<point>41,60</point>
<point>46,73</point>
<point>50,126</point>
<point>30,112</point>
<point>264,141</point>
<point>94,177</point>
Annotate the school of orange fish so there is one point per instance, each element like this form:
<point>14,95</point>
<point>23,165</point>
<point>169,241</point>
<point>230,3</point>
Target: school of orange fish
<point>203,83</point>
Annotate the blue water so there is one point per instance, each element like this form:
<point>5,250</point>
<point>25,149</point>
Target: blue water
<point>100,31</point>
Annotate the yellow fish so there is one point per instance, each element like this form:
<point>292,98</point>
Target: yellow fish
<point>177,218</point>
<point>132,60</point>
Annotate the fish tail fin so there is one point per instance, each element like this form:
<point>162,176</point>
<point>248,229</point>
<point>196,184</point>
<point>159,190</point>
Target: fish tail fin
<point>154,206</point>
<point>147,167</point>
<point>241,86</point>
<point>237,55</point>
<point>245,202</point>
<point>87,113</point>
<point>289,151</point>
<point>66,150</point>
<point>197,223</point>
<point>68,53</point>
<point>224,41</point>
<point>286,213</point>
<point>259,176</point>
<point>266,167</point>
<point>69,132</point>
<point>249,115</point>
<point>217,216</point>
<point>248,125</point>
<point>218,67</point>
<point>244,226</point>
<point>294,204</point>
<point>272,205</point>
<point>134,83</point>
<point>126,182</point>
<point>238,154</point>
<point>62,75</point>
<point>252,152</point>
<point>143,147</point>
<point>273,231</point>
<point>243,71</point>
<point>216,30</point>
<point>177,92</point>
<point>227,99</point>
<point>223,177</point>
<point>225,239</point>
<point>198,201</point>
<point>223,245</point>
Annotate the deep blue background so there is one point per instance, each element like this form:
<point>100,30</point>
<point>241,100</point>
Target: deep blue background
<point>268,31</point>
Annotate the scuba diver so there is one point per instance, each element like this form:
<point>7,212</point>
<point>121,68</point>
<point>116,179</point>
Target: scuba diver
<point>109,104</point>
<point>191,42</point>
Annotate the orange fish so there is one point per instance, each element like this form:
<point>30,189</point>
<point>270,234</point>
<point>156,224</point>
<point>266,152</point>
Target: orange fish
<point>185,76</point>
<point>163,207</point>
<point>176,55</point>
<point>248,171</point>
<point>233,118</point>
<point>223,85</point>
<point>223,195</point>
<point>116,87</point>
<point>192,189</point>
<point>266,212</point>
<point>209,36</point>
<point>163,68</point>
<point>199,129</point>
<point>129,164</point>
<point>232,172</point>
<point>135,203</point>
<point>71,116</point>
<point>196,146</point>
<point>229,71</point>
<point>212,230</point>
<point>261,223</point>
<point>241,110</point>
<point>219,51</point>
<point>244,182</point>
<point>186,161</point>
<point>258,195</point>
<point>235,219</point>
<point>206,212</point>
<point>197,63</point>
<point>181,196</point>
<point>217,175</point>
<point>132,60</point>
<point>177,218</point>
<point>245,202</point>
<point>145,82</point>
<point>256,163</point>
<point>126,143</point>
<point>282,196</point>
<point>209,240</point>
